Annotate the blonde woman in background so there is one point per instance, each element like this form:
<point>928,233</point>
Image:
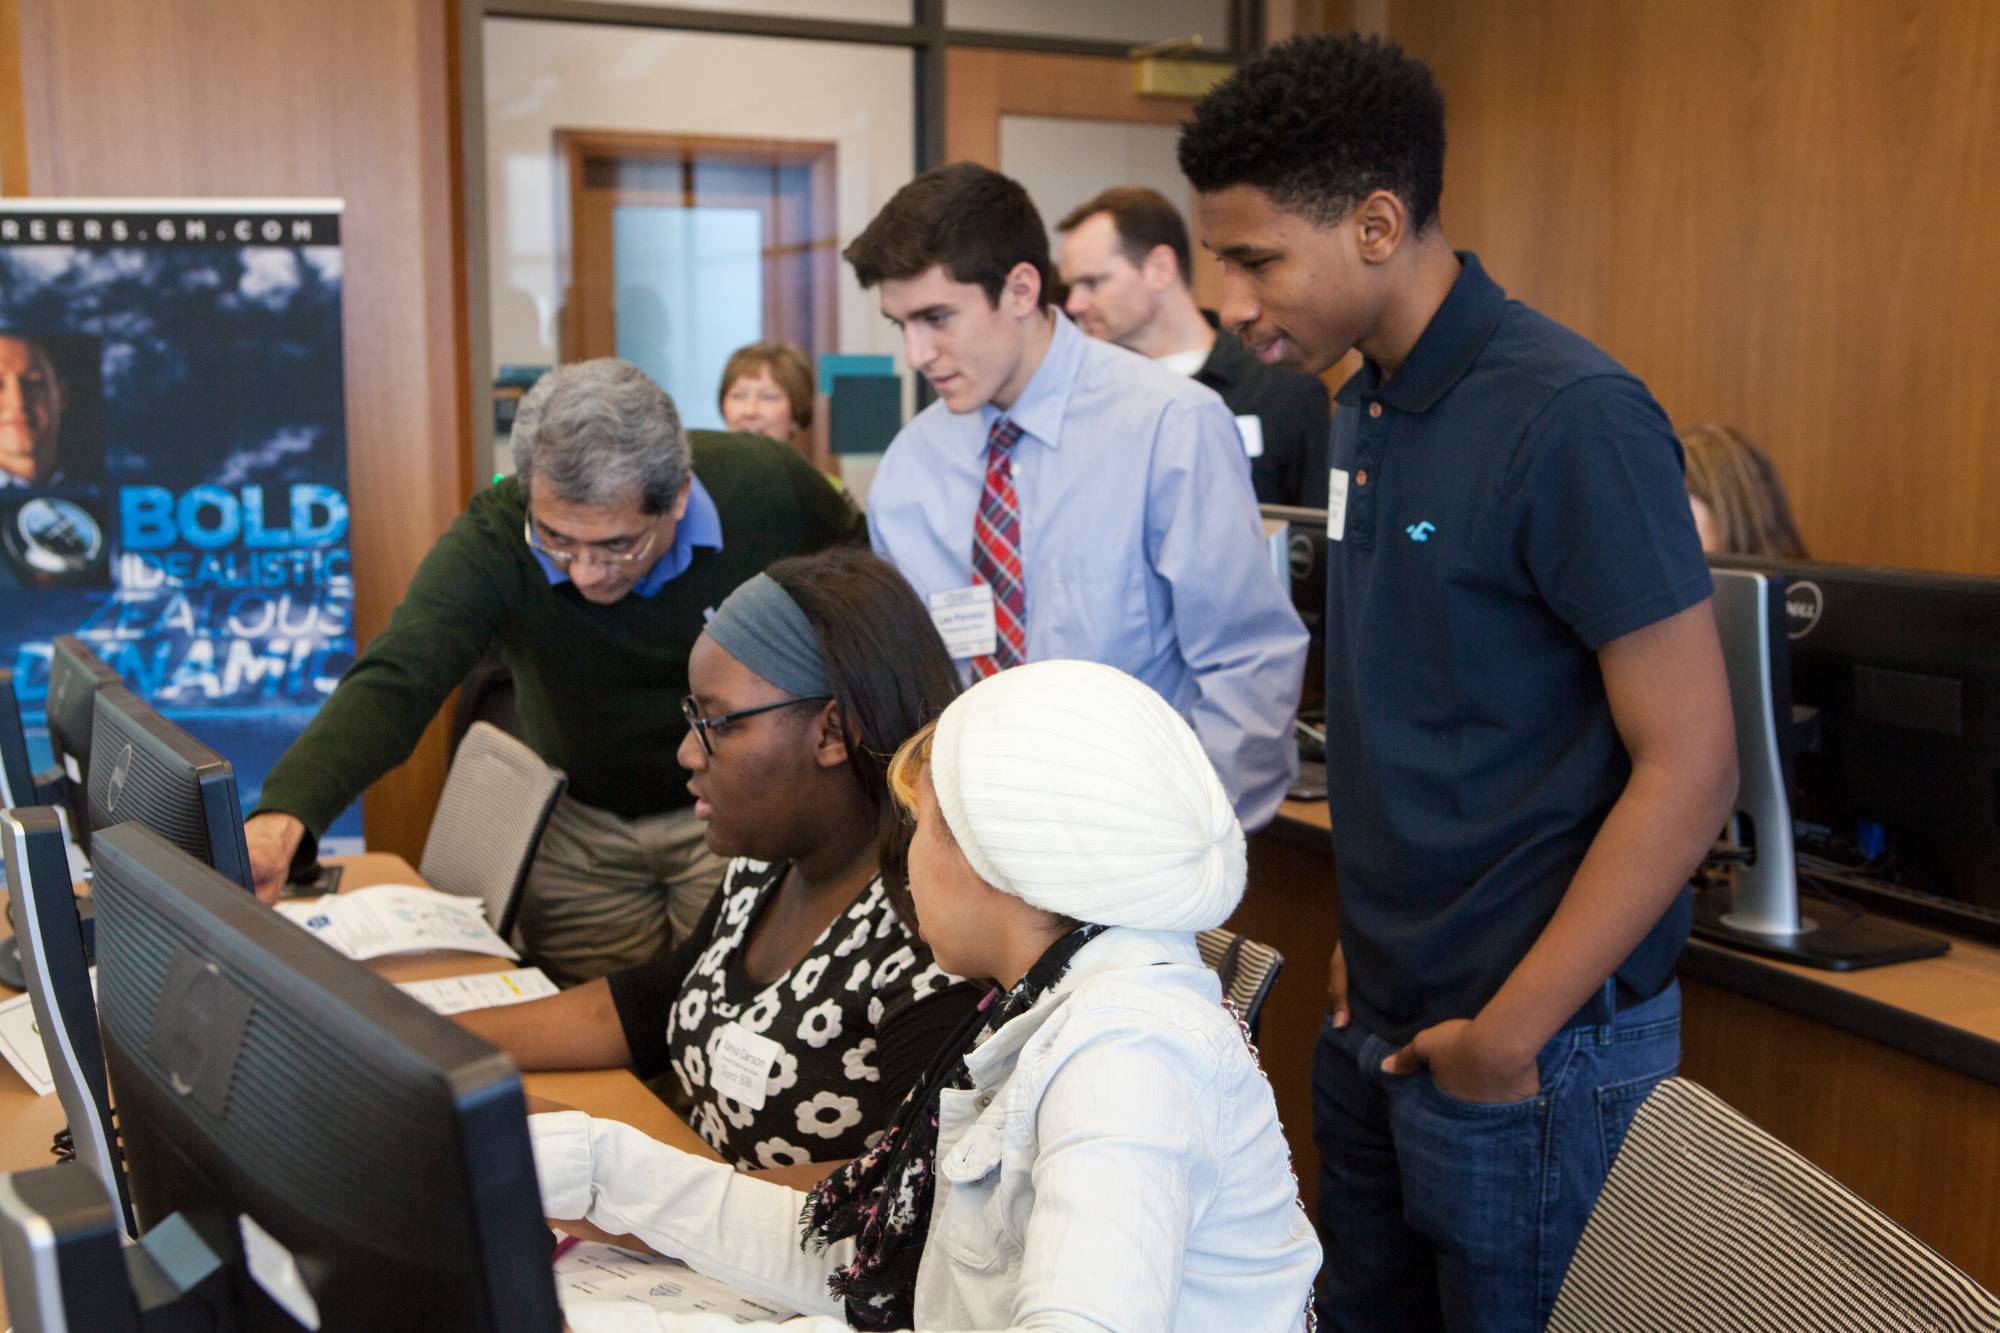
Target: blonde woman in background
<point>767,389</point>
<point>1739,504</point>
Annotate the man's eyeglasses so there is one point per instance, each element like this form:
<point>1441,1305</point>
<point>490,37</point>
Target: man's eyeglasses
<point>589,553</point>
<point>706,729</point>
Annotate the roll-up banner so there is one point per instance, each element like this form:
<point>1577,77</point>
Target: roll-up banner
<point>173,462</point>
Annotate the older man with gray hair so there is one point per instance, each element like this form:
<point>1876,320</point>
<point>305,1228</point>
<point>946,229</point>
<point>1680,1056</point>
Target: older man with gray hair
<point>592,569</point>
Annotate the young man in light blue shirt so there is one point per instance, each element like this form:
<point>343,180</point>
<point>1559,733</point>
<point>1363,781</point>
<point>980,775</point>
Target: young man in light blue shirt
<point>1067,497</point>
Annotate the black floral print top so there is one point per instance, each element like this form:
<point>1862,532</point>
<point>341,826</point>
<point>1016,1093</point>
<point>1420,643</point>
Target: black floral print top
<point>856,1020</point>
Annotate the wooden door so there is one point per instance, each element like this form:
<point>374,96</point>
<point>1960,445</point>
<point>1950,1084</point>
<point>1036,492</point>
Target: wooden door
<point>789,184</point>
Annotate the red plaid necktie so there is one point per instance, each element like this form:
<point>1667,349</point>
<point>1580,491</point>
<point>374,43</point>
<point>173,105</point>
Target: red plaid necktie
<point>996,553</point>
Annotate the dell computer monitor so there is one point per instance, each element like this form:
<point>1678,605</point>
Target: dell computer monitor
<point>279,1097</point>
<point>1760,907</point>
<point>17,770</point>
<point>145,768</point>
<point>1305,560</point>
<point>1896,795</point>
<point>75,676</point>
<point>55,965</point>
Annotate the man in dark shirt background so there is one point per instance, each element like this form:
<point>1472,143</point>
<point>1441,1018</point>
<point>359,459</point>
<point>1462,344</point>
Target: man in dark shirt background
<point>1125,263</point>
<point>1529,743</point>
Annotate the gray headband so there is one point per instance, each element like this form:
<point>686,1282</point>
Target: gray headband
<point>763,628</point>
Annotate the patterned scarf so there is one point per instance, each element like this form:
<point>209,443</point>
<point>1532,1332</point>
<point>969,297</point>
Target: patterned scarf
<point>883,1197</point>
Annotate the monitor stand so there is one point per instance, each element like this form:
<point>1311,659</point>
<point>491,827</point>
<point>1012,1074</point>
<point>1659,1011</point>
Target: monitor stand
<point>1829,935</point>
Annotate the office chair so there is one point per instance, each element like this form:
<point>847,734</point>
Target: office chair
<point>486,695</point>
<point>57,973</point>
<point>1246,967</point>
<point>1706,1222</point>
<point>497,800</point>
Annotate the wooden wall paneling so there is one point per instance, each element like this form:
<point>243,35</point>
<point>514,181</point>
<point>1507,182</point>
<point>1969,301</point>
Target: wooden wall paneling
<point>246,98</point>
<point>1778,215</point>
<point>1919,1141</point>
<point>1292,903</point>
<point>13,113</point>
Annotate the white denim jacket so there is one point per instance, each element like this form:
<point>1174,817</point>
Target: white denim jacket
<point>1116,1165</point>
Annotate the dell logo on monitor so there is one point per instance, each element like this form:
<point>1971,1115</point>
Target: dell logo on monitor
<point>120,771</point>
<point>1803,603</point>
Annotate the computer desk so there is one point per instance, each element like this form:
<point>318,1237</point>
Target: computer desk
<point>1887,1078</point>
<point>28,1123</point>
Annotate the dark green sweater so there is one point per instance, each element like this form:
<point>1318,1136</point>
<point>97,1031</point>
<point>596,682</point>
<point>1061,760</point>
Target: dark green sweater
<point>598,687</point>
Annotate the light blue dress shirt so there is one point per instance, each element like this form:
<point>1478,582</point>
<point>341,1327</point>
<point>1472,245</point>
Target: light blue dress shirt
<point>1140,542</point>
<point>701,525</point>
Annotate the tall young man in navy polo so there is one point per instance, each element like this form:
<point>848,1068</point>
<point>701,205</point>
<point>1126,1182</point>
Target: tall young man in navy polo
<point>1529,742</point>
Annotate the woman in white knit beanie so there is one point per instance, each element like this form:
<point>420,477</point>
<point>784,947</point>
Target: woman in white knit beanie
<point>1097,1148</point>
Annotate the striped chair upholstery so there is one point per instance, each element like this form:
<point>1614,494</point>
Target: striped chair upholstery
<point>1708,1223</point>
<point>1246,968</point>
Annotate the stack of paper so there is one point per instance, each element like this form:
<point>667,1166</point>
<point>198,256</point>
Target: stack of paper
<point>21,1041</point>
<point>482,990</point>
<point>594,1281</point>
<point>397,918</point>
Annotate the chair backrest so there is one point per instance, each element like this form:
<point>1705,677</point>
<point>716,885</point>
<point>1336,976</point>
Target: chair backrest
<point>1246,967</point>
<point>496,802</point>
<point>56,968</point>
<point>1707,1222</point>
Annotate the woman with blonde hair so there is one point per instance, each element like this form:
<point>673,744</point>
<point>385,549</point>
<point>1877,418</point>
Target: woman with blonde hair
<point>767,389</point>
<point>1739,504</point>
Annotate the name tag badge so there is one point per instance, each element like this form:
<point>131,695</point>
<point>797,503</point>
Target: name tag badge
<point>1336,504</point>
<point>742,1066</point>
<point>964,620</point>
<point>1252,431</point>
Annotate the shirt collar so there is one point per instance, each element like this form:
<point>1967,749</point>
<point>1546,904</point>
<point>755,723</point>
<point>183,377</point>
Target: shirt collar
<point>1039,410</point>
<point>1444,351</point>
<point>1226,358</point>
<point>1119,947</point>
<point>701,525</point>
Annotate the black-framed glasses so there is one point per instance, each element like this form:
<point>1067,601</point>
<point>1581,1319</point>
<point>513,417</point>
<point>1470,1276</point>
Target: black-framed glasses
<point>706,729</point>
<point>588,553</point>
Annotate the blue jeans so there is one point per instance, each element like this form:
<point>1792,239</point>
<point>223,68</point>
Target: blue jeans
<point>1438,1213</point>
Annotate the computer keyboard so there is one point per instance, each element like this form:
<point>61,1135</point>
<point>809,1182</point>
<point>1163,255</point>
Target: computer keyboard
<point>1972,920</point>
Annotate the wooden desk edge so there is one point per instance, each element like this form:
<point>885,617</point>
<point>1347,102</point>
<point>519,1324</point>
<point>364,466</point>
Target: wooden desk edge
<point>1820,997</point>
<point>1944,1044</point>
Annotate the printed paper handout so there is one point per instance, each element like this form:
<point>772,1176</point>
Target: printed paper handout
<point>481,990</point>
<point>397,918</point>
<point>593,1281</point>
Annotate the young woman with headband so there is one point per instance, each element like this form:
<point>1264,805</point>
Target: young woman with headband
<point>802,1007</point>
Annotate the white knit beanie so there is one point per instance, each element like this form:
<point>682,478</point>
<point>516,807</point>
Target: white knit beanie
<point>1073,787</point>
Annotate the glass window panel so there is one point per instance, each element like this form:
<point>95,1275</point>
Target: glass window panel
<point>839,11</point>
<point>1133,21</point>
<point>811,138</point>
<point>690,292</point>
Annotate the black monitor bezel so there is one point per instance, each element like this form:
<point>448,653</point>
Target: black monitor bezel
<point>17,769</point>
<point>377,1032</point>
<point>213,777</point>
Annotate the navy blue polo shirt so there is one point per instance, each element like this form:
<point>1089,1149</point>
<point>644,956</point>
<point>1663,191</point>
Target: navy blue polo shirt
<point>1515,501</point>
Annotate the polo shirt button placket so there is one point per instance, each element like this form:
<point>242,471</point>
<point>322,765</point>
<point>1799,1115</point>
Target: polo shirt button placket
<point>1367,456</point>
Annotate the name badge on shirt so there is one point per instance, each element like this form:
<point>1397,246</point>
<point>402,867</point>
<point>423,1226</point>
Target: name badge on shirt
<point>964,620</point>
<point>741,1069</point>
<point>1252,431</point>
<point>1336,503</point>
